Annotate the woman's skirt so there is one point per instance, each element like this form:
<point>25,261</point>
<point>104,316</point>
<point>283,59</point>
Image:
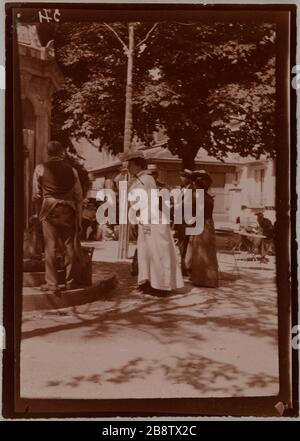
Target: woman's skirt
<point>201,257</point>
<point>158,259</point>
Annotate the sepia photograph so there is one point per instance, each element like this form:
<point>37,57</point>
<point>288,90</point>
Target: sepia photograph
<point>149,187</point>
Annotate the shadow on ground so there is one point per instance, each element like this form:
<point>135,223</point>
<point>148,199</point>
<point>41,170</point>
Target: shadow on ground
<point>246,305</point>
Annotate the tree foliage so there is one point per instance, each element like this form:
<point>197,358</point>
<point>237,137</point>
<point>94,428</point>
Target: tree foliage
<point>209,85</point>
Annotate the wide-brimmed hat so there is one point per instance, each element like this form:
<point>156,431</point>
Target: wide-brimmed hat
<point>128,156</point>
<point>186,173</point>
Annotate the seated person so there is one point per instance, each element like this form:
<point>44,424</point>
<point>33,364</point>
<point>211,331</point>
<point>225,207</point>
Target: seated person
<point>266,228</point>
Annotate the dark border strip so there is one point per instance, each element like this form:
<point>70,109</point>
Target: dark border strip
<point>13,405</point>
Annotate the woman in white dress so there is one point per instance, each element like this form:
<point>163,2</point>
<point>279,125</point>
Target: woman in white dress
<point>158,262</point>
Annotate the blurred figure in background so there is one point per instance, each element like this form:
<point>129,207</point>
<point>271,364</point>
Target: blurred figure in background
<point>89,221</point>
<point>247,220</point>
<point>182,238</point>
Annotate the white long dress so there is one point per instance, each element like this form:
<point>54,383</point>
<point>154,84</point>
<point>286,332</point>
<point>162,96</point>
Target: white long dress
<point>158,259</point>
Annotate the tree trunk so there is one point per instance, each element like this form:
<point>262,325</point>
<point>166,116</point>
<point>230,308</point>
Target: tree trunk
<point>124,228</point>
<point>128,108</point>
<point>188,157</point>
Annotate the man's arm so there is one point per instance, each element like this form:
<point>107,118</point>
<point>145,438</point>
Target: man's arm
<point>37,191</point>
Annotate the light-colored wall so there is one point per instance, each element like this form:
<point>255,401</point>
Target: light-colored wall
<point>244,188</point>
<point>252,195</point>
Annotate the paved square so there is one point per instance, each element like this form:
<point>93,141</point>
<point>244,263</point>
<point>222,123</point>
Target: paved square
<point>196,343</point>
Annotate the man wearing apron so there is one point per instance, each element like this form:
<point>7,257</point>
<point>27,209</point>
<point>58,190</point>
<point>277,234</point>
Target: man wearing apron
<point>57,194</point>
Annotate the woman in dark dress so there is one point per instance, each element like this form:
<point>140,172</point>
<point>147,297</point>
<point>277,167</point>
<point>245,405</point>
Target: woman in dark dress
<point>201,254</point>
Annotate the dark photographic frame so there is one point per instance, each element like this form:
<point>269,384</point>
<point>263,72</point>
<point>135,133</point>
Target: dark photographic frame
<point>286,262</point>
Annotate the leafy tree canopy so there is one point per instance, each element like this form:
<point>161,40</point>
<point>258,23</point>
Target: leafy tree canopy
<point>210,85</point>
